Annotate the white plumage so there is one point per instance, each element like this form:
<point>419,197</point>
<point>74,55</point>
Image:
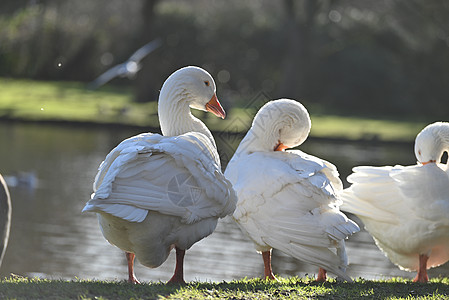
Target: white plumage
<point>286,200</point>
<point>177,176</point>
<point>406,208</point>
<point>153,192</point>
<point>5,217</point>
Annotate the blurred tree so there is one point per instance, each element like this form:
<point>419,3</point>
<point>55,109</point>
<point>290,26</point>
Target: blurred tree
<point>148,81</point>
<point>424,25</point>
<point>8,7</point>
<point>299,31</point>
<point>377,58</point>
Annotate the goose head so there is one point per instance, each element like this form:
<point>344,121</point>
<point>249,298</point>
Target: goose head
<point>193,86</point>
<point>278,125</point>
<point>431,143</point>
<point>188,87</point>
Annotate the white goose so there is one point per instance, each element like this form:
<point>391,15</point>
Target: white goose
<point>286,199</point>
<point>154,193</point>
<point>5,217</point>
<point>406,208</point>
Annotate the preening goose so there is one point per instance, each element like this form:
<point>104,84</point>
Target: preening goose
<point>406,208</point>
<point>157,192</point>
<point>287,199</point>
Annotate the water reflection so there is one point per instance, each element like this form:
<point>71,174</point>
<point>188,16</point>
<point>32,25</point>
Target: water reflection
<point>50,237</point>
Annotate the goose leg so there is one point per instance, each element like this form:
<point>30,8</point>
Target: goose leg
<point>178,276</point>
<point>422,269</point>
<point>321,275</point>
<point>130,258</point>
<point>268,272</point>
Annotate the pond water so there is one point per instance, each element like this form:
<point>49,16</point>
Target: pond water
<point>51,238</point>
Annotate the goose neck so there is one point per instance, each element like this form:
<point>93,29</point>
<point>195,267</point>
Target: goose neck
<point>175,117</point>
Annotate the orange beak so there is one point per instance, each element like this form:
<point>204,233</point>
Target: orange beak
<point>214,107</point>
<point>428,162</point>
<point>280,147</point>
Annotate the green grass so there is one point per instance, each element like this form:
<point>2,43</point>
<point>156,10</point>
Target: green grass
<point>291,288</point>
<point>355,128</point>
<point>71,101</point>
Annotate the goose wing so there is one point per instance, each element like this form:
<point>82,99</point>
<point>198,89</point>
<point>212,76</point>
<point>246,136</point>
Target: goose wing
<point>286,201</point>
<point>177,176</point>
<point>404,208</point>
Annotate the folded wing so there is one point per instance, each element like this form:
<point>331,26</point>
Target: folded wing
<point>289,203</point>
<point>178,176</point>
<point>404,208</point>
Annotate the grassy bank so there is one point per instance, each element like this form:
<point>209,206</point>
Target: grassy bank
<point>30,100</point>
<point>291,288</point>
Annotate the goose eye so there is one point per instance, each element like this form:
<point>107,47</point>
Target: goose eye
<point>207,83</point>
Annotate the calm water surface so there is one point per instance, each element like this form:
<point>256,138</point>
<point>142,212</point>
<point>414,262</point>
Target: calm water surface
<point>50,237</point>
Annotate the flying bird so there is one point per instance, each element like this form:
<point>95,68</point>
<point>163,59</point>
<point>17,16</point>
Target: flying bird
<point>127,69</point>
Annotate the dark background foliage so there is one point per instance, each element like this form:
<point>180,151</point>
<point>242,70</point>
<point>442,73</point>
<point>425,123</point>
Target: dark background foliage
<point>371,58</point>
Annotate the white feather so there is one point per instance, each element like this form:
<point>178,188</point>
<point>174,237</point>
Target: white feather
<point>406,209</point>
<point>287,200</point>
<point>142,173</point>
<point>155,192</point>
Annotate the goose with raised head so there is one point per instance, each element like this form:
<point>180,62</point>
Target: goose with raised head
<point>157,192</point>
<point>5,217</point>
<point>406,208</point>
<point>287,199</point>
